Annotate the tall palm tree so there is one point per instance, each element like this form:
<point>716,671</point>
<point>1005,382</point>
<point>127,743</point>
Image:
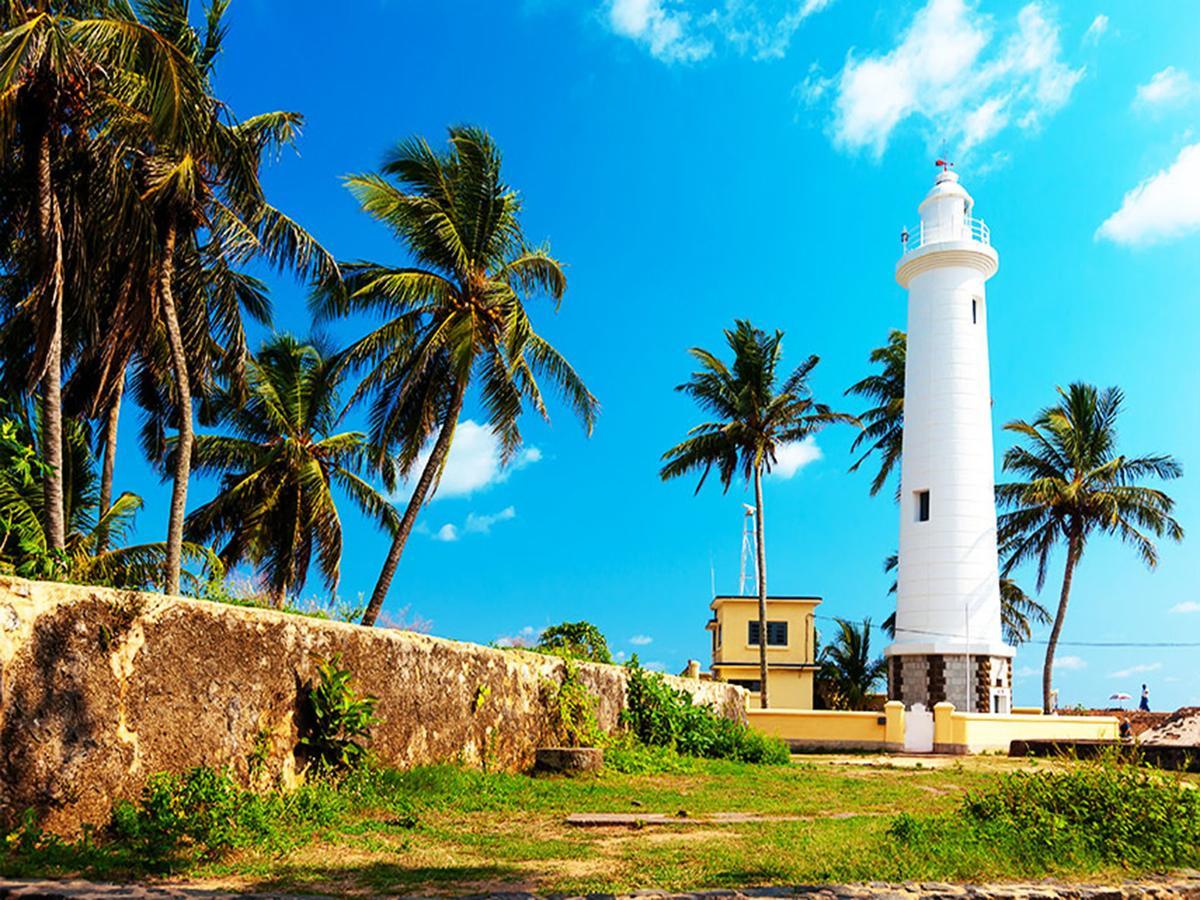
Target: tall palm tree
<point>848,670</point>
<point>1076,485</point>
<point>757,410</point>
<point>279,467</point>
<point>883,428</point>
<point>455,315</point>
<point>1019,612</point>
<point>199,184</point>
<point>63,70</point>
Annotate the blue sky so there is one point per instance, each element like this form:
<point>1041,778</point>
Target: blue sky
<point>693,161</point>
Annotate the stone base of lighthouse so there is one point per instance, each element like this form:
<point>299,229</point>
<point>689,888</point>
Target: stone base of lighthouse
<point>973,683</point>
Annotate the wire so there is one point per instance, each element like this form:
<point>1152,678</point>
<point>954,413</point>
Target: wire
<point>1041,642</point>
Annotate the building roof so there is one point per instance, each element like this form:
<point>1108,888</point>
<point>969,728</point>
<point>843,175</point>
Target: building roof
<point>734,598</point>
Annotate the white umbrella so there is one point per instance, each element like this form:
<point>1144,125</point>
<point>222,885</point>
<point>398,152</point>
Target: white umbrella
<point>1120,697</point>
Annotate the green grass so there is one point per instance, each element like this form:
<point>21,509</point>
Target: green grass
<point>452,830</point>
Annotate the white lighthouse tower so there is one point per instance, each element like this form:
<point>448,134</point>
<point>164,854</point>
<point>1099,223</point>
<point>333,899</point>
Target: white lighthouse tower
<point>948,644</point>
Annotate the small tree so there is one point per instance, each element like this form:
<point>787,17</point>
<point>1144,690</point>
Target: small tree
<point>848,670</point>
<point>575,640</point>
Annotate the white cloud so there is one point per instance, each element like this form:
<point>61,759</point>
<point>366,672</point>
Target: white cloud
<point>474,462</point>
<point>655,666</point>
<point>447,533</point>
<point>688,31</point>
<point>1026,672</point>
<point>1187,606</point>
<point>1136,670</point>
<point>1096,30</point>
<point>526,637</point>
<point>791,458</point>
<point>938,74</point>
<point>1169,87</point>
<point>664,28</point>
<point>641,640</point>
<point>482,524</point>
<point>1166,205</point>
<point>1069,663</point>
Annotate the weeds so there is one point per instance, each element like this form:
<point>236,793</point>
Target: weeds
<point>659,715</point>
<point>339,720</point>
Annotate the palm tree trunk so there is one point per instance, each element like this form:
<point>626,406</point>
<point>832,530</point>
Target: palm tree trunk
<point>761,557</point>
<point>111,421</point>
<point>1073,550</point>
<point>50,238</point>
<point>440,449</point>
<point>183,449</point>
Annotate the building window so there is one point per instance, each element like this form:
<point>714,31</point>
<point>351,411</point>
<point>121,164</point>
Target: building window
<point>777,634</point>
<point>754,687</point>
<point>974,311</point>
<point>922,506</point>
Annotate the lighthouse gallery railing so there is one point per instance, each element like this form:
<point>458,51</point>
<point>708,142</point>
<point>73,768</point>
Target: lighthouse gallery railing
<point>968,229</point>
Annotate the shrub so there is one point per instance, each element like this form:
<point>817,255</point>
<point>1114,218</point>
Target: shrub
<point>338,718</point>
<point>575,640</point>
<point>1093,814</point>
<point>659,715</point>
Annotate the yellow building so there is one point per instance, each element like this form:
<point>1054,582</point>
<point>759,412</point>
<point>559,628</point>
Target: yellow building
<point>791,652</point>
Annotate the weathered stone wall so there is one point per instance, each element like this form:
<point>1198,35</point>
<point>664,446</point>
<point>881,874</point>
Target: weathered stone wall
<point>101,688</point>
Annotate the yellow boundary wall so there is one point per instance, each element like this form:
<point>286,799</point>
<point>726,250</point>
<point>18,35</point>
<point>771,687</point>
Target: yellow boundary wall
<point>957,732</point>
<point>829,729</point>
<point>953,732</point>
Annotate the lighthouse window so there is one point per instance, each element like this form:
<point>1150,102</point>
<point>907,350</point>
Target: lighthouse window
<point>974,311</point>
<point>922,506</point>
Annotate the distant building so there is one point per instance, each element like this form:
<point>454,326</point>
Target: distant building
<point>791,647</point>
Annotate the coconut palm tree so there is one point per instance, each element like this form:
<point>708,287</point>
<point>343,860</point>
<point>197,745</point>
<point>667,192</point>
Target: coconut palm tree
<point>279,467</point>
<point>198,184</point>
<point>455,316</point>
<point>756,410</point>
<point>1076,485</point>
<point>848,670</point>
<point>87,556</point>
<point>883,423</point>
<point>62,71</point>
<point>1019,612</point>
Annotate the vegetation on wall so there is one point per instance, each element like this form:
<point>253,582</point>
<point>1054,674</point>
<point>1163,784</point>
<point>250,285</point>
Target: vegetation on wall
<point>336,720</point>
<point>659,715</point>
<point>575,640</point>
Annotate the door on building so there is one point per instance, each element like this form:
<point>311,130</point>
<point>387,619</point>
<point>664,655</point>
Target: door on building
<point>918,730</point>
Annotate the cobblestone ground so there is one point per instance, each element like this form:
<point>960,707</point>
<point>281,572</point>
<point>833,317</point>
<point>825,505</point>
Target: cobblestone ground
<point>1186,887</point>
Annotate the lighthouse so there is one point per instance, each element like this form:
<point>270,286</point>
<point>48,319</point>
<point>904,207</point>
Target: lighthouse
<point>948,644</point>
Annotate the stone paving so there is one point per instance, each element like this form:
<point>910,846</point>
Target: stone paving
<point>1184,887</point>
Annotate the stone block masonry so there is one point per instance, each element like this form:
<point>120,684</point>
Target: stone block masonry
<point>100,689</point>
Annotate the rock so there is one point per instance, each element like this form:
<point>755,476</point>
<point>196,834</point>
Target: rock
<point>569,760</point>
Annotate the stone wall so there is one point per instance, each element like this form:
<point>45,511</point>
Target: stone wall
<point>101,688</point>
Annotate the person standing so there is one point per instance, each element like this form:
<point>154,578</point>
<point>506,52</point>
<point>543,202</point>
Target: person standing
<point>1144,706</point>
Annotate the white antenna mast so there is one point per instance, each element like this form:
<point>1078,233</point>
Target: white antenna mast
<point>749,554</point>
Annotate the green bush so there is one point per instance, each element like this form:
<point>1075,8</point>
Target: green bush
<point>1093,814</point>
<point>338,720</point>
<point>575,640</point>
<point>573,709</point>
<point>659,715</point>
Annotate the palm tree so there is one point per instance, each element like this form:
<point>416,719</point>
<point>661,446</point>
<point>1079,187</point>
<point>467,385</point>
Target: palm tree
<point>883,430</point>
<point>276,506</point>
<point>755,414</point>
<point>457,314</point>
<point>63,71</point>
<point>1019,612</point>
<point>848,671</point>
<point>200,188</point>
<point>1077,485</point>
<point>86,557</point>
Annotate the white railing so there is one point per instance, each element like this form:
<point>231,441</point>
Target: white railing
<point>966,229</point>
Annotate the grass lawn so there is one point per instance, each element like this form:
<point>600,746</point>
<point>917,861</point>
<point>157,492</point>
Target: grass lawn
<point>466,832</point>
